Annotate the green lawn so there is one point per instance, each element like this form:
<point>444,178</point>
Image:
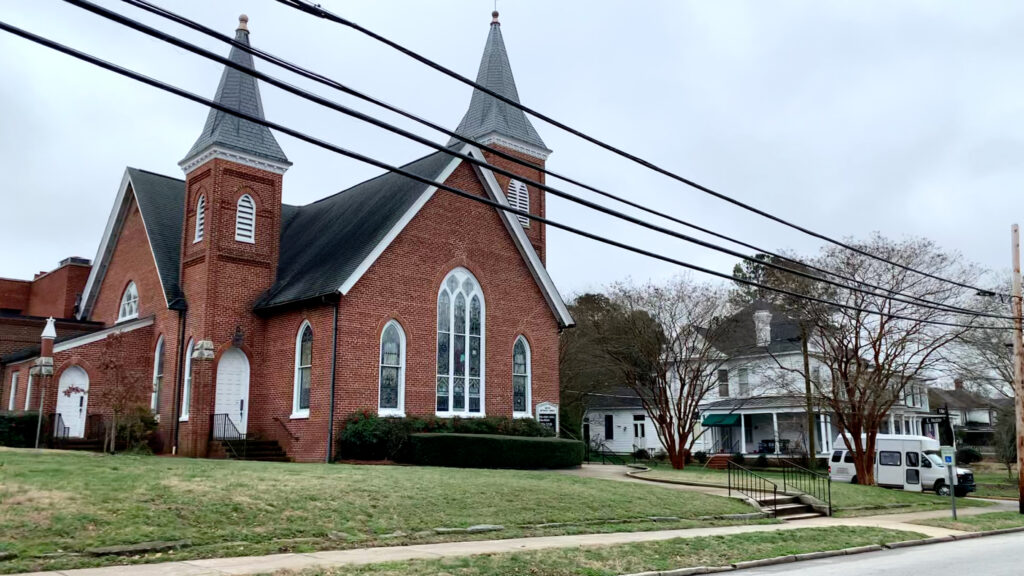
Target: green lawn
<point>61,502</point>
<point>632,558</point>
<point>979,522</point>
<point>993,482</point>
<point>847,499</point>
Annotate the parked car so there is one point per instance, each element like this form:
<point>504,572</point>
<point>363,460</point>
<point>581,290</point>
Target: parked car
<point>910,463</point>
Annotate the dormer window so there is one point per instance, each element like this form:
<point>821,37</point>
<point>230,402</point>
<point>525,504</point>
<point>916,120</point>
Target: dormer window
<point>129,303</point>
<point>245,220</point>
<point>200,218</point>
<point>519,197</point>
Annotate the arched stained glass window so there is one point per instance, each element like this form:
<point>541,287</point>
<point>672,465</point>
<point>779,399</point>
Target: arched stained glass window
<point>392,370</point>
<point>460,345</point>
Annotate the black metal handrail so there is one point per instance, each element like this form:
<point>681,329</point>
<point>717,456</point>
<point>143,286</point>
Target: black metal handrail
<point>222,428</point>
<point>60,431</point>
<point>95,427</point>
<point>753,486</point>
<point>606,455</point>
<point>806,481</point>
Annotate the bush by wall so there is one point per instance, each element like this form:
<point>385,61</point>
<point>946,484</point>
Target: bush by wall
<point>967,456</point>
<point>19,430</point>
<point>491,451</point>
<point>366,436</point>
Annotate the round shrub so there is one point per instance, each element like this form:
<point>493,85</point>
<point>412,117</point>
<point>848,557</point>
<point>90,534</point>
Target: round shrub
<point>492,451</point>
<point>968,456</point>
<point>19,430</point>
<point>761,461</point>
<point>701,457</point>
<point>739,458</point>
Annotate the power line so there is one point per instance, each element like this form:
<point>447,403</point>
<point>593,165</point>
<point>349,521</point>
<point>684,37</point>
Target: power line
<point>438,185</point>
<point>128,22</point>
<point>319,11</point>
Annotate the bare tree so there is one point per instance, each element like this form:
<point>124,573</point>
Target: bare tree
<point>124,390</point>
<point>871,355</point>
<point>983,356</point>
<point>660,342</point>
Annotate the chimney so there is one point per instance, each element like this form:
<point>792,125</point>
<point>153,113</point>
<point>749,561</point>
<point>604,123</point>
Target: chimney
<point>763,327</point>
<point>958,384</point>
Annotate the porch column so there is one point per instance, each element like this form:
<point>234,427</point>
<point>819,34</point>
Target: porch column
<point>823,427</point>
<point>892,424</point>
<point>743,433</point>
<point>775,430</point>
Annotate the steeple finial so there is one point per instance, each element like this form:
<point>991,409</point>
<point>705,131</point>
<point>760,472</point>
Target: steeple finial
<point>494,18</point>
<point>243,22</point>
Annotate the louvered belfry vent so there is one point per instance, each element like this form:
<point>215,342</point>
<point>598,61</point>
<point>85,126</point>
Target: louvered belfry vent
<point>519,197</point>
<point>245,220</point>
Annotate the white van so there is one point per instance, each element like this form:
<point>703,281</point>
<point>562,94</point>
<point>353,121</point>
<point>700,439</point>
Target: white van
<point>910,463</point>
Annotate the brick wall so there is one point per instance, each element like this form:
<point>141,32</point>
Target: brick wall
<point>535,231</point>
<point>14,294</point>
<point>54,293</point>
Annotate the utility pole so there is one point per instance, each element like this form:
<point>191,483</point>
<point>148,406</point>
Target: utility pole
<point>1018,367</point>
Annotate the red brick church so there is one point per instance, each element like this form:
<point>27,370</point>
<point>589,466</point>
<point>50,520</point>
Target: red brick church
<point>276,321</point>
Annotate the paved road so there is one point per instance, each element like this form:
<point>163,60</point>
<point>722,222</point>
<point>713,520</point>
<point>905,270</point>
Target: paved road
<point>991,556</point>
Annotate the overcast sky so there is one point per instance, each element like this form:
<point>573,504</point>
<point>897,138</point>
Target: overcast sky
<point>847,117</point>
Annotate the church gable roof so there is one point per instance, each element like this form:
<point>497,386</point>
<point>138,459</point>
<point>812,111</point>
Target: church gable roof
<point>324,244</point>
<point>161,202</point>
<point>489,116</point>
<point>238,91</point>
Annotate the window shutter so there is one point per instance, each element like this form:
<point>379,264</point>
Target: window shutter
<point>519,198</point>
<point>200,217</point>
<point>245,220</point>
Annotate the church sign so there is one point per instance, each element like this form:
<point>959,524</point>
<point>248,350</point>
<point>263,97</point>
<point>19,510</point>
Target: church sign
<point>547,415</point>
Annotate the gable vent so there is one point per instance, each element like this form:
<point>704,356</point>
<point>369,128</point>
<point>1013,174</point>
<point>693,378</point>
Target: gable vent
<point>200,217</point>
<point>519,197</point>
<point>245,220</point>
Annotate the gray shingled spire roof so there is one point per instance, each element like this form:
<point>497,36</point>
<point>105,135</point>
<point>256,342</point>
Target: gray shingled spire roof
<point>486,113</point>
<point>238,91</point>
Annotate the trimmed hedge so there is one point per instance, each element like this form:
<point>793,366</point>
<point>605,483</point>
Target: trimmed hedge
<point>19,430</point>
<point>492,451</point>
<point>366,436</point>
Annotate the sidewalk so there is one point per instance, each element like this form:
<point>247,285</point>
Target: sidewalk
<point>265,564</point>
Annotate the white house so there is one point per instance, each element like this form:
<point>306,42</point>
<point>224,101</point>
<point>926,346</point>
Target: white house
<point>757,407</point>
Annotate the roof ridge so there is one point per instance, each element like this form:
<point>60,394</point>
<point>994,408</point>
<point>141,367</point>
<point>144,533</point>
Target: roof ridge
<point>156,174</point>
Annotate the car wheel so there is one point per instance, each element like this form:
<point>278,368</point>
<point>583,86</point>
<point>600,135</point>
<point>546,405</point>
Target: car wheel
<point>853,480</point>
<point>941,489</point>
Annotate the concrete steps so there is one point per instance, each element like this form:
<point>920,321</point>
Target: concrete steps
<point>261,450</point>
<point>788,508</point>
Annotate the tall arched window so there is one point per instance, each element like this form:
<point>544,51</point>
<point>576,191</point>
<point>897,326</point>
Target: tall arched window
<point>245,220</point>
<point>519,197</point>
<point>303,371</point>
<point>158,375</point>
<point>200,217</point>
<point>186,389</point>
<point>460,345</point>
<point>129,303</point>
<point>521,376</point>
<point>392,370</point>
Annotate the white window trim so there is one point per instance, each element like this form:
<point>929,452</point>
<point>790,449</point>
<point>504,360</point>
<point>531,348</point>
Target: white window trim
<point>28,392</point>
<point>465,413</point>
<point>200,218</point>
<point>133,313</point>
<point>400,411</point>
<point>158,354</point>
<point>186,388</point>
<point>251,239</point>
<point>529,378</point>
<point>300,414</point>
<point>14,391</point>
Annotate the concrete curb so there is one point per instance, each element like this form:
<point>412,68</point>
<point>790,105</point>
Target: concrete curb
<point>826,554</point>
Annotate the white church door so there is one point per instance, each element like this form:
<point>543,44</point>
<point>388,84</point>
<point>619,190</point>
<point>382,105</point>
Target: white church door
<point>232,392</point>
<point>73,401</point>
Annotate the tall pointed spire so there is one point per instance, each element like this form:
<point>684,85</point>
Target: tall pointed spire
<point>490,120</point>
<point>237,91</point>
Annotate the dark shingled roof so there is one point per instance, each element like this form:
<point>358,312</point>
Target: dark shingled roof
<point>486,113</point>
<point>238,91</point>
<point>960,400</point>
<point>323,243</point>
<point>621,397</point>
<point>162,202</point>
<point>736,336</point>
<point>785,401</point>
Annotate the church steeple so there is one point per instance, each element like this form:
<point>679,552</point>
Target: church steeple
<point>229,134</point>
<point>491,121</point>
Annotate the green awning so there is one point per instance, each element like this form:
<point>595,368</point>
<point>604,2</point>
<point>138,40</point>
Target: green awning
<point>721,420</point>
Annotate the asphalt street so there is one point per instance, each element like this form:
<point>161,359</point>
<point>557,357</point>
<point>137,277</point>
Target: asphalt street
<point>991,556</point>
